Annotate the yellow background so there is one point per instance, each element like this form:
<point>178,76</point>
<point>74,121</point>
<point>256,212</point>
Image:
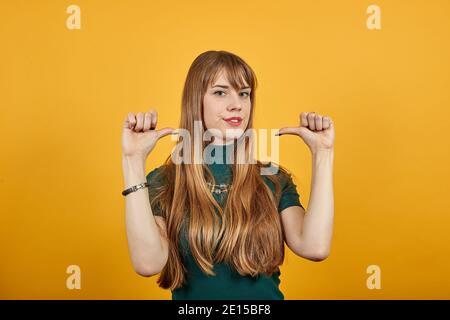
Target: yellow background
<point>65,93</point>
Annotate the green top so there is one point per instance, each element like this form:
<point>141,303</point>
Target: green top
<point>228,284</point>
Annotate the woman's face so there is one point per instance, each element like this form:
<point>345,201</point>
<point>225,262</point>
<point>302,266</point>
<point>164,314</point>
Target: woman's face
<point>220,104</point>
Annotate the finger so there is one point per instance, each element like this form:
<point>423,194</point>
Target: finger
<point>311,121</point>
<point>303,119</point>
<point>139,122</point>
<point>126,123</point>
<point>147,121</point>
<point>130,121</point>
<point>164,132</point>
<point>318,122</point>
<point>154,119</point>
<point>287,130</point>
<point>326,122</point>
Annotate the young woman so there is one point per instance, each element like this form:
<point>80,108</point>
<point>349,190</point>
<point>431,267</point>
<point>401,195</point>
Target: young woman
<point>216,228</point>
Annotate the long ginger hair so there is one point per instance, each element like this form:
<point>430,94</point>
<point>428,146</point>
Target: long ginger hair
<point>250,238</point>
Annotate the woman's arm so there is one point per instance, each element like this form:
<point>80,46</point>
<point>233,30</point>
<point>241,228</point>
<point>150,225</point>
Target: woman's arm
<point>318,223</point>
<point>309,233</point>
<point>147,245</point>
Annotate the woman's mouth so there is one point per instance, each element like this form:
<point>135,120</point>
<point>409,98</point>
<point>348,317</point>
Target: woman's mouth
<point>234,121</point>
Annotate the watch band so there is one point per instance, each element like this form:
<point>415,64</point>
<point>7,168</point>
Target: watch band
<point>134,188</point>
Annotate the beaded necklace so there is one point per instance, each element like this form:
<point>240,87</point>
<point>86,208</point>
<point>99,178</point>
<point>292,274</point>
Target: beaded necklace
<point>219,188</point>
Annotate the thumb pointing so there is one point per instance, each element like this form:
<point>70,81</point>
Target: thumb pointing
<point>287,130</point>
<point>164,132</point>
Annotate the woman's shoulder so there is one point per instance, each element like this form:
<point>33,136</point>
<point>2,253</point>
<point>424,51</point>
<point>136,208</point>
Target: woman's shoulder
<point>289,195</point>
<point>273,170</point>
<point>156,175</point>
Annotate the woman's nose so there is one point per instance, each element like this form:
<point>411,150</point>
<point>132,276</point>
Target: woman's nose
<point>235,104</point>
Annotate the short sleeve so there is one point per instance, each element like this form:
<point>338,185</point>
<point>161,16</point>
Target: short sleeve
<point>289,194</point>
<point>154,180</point>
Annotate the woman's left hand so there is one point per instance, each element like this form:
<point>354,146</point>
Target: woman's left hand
<point>317,131</point>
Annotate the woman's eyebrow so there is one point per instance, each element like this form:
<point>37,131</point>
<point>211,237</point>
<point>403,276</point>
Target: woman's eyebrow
<point>226,87</point>
<point>221,86</point>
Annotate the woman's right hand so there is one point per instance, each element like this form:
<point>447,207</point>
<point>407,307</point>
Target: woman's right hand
<point>139,134</point>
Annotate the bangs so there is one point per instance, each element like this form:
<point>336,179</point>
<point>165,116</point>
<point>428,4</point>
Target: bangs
<point>237,74</point>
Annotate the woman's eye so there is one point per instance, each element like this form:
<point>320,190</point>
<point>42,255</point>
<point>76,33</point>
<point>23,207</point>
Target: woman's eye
<point>244,94</point>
